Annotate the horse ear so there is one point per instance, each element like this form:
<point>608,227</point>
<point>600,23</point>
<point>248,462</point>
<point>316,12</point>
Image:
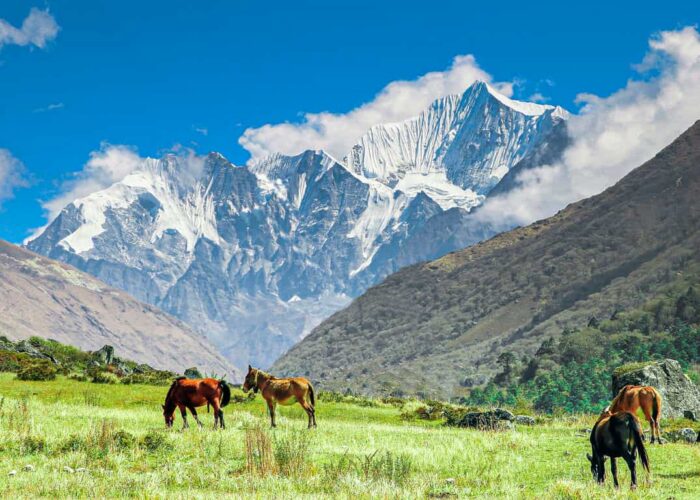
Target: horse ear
<point>250,367</point>
<point>589,457</point>
<point>162,406</point>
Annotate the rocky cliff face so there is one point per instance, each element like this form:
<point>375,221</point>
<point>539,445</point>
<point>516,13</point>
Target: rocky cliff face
<point>255,257</point>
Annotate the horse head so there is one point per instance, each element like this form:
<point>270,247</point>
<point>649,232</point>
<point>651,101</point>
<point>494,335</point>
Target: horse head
<point>169,416</point>
<point>251,380</point>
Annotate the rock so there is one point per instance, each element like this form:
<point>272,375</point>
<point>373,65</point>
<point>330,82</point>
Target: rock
<point>690,415</point>
<point>524,420</point>
<point>12,473</point>
<point>193,373</point>
<point>492,419</point>
<point>81,469</point>
<point>686,435</point>
<point>29,468</point>
<point>450,480</point>
<point>679,393</point>
<point>104,355</point>
<point>69,470</point>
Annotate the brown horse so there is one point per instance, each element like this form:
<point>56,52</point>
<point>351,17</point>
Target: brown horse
<point>187,393</point>
<point>285,391</point>
<point>632,397</point>
<point>617,435</point>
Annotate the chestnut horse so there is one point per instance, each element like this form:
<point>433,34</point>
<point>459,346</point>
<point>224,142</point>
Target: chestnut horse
<point>632,397</point>
<point>285,391</point>
<point>187,393</point>
<point>617,435</point>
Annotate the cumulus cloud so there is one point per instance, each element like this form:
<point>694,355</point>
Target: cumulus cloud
<point>38,28</point>
<point>612,135</point>
<point>12,175</point>
<point>109,164</point>
<point>336,133</point>
<point>538,97</point>
<point>112,163</point>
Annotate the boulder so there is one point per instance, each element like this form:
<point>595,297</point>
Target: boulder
<point>678,392</point>
<point>497,419</point>
<point>193,373</point>
<point>104,355</point>
<point>524,420</point>
<point>686,435</point>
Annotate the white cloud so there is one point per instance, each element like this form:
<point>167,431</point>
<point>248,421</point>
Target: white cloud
<point>538,97</point>
<point>613,135</point>
<point>202,130</point>
<point>11,175</point>
<point>38,28</point>
<point>50,107</point>
<point>336,133</point>
<point>106,166</point>
<point>111,164</point>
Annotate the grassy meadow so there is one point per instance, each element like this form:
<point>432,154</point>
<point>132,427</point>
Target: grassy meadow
<point>89,440</point>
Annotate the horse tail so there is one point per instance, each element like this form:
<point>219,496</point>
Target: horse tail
<point>639,440</point>
<point>226,393</point>
<point>311,395</point>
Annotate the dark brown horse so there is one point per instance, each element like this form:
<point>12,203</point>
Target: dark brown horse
<point>617,435</point>
<point>285,391</point>
<point>189,394</point>
<point>632,397</point>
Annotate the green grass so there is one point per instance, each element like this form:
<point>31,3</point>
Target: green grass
<point>116,433</point>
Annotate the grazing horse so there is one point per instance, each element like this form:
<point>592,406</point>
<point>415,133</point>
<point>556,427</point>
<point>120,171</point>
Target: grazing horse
<point>187,393</point>
<point>632,397</point>
<point>617,435</point>
<point>285,391</point>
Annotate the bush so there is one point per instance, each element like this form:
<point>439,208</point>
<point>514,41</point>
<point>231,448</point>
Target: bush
<point>33,444</point>
<point>11,361</point>
<point>38,370</point>
<point>100,377</point>
<point>291,453</point>
<point>154,440</point>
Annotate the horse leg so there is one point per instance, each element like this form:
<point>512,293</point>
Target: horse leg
<point>271,407</point>
<point>601,468</point>
<point>183,412</point>
<point>309,412</point>
<point>218,414</point>
<point>196,418</point>
<point>650,419</point>
<point>632,464</point>
<point>613,469</point>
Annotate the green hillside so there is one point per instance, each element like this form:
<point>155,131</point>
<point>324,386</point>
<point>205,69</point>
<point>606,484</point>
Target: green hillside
<point>439,328</point>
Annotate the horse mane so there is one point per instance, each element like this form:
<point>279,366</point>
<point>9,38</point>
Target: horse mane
<point>169,403</point>
<point>616,399</point>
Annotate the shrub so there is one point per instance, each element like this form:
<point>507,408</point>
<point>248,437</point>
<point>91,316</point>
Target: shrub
<point>291,453</point>
<point>33,444</point>
<point>38,370</point>
<point>100,377</point>
<point>259,455</point>
<point>154,440</point>
<point>11,361</point>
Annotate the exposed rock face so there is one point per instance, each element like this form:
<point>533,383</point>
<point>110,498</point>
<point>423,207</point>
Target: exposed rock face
<point>679,393</point>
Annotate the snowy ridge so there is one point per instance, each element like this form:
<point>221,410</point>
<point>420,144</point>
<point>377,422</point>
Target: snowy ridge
<point>254,257</point>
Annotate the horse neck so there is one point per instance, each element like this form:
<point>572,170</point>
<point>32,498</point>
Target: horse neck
<point>170,399</point>
<point>262,378</point>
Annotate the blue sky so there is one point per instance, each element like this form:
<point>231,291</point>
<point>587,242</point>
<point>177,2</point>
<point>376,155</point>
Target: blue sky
<point>152,74</point>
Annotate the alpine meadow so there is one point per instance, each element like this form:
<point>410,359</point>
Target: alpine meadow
<point>349,250</point>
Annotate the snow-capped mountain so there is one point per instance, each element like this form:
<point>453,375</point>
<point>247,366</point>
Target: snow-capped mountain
<point>254,257</point>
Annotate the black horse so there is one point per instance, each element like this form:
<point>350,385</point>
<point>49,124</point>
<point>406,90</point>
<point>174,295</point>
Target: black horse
<point>617,435</point>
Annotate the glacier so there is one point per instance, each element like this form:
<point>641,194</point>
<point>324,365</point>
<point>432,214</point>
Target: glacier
<point>255,256</point>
